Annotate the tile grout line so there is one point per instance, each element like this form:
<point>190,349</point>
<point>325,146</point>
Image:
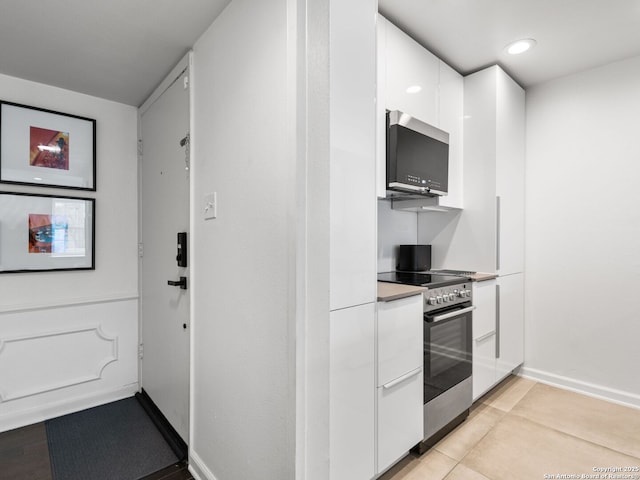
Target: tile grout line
<point>542,425</point>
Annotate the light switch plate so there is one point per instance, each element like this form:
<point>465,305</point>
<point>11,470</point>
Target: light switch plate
<point>210,206</point>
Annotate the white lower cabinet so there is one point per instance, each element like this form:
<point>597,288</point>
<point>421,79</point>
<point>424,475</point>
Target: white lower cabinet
<point>399,418</point>
<point>484,364</point>
<point>375,406</point>
<point>510,324</point>
<point>484,337</point>
<point>352,398</point>
<point>498,330</point>
<point>399,379</point>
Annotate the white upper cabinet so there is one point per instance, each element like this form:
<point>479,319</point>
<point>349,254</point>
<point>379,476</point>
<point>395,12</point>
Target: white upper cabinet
<point>413,80</point>
<point>412,77</point>
<point>510,155</point>
<point>494,108</point>
<point>450,110</point>
<point>352,153</point>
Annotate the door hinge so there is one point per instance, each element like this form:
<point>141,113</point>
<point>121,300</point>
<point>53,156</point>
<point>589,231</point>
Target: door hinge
<point>141,250</point>
<point>185,82</point>
<point>141,351</point>
<point>139,147</point>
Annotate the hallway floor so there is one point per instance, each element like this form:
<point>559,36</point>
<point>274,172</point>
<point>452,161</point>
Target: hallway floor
<point>24,455</point>
<point>527,430</point>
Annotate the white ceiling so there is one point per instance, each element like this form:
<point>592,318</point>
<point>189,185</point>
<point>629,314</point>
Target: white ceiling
<point>572,35</point>
<point>122,49</point>
<point>115,49</point>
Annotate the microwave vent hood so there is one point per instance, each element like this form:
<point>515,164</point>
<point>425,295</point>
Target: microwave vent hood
<point>417,157</point>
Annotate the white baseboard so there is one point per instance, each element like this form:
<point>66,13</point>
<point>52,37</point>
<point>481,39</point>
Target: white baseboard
<point>598,391</point>
<point>197,467</point>
<point>57,409</point>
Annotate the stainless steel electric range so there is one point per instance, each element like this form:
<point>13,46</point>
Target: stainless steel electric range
<point>448,307</point>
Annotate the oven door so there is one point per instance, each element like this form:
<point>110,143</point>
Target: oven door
<point>447,349</point>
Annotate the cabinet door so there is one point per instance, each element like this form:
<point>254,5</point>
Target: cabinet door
<point>484,364</point>
<point>484,299</point>
<point>352,149</point>
<point>484,336</point>
<point>450,112</point>
<point>510,131</point>
<point>410,65</point>
<point>352,393</point>
<point>510,324</point>
<point>400,337</point>
<point>381,121</point>
<point>400,419</point>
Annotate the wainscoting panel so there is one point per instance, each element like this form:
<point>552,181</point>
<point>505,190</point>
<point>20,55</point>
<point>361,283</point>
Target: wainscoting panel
<point>63,359</point>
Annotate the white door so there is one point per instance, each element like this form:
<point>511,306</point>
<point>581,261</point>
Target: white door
<point>164,213</point>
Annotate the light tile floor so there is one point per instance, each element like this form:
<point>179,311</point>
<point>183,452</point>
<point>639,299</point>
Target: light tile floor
<point>526,430</point>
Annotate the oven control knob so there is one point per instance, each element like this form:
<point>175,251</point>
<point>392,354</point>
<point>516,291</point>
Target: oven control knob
<point>439,298</point>
<point>446,297</point>
<point>431,300</point>
<point>452,296</point>
<point>468,292</point>
<point>463,293</point>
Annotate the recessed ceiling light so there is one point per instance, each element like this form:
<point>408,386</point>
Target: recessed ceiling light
<point>414,89</point>
<point>520,46</point>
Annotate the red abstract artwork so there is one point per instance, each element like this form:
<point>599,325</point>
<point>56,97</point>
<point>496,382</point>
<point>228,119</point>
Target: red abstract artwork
<point>49,148</point>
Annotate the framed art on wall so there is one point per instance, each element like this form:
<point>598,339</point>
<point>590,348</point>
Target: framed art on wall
<point>45,232</point>
<point>47,148</point>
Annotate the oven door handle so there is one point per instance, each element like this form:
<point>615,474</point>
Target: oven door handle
<point>445,316</point>
<point>402,378</point>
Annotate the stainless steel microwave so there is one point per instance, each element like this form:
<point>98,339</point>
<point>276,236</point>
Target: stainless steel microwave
<point>417,156</point>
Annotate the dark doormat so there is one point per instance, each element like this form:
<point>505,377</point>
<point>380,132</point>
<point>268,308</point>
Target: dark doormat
<point>116,441</point>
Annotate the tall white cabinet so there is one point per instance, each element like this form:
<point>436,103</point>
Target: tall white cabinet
<point>490,237</point>
<point>352,153</point>
<point>413,80</point>
<point>352,239</point>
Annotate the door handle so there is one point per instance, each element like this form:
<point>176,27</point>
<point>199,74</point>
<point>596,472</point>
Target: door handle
<point>455,313</point>
<point>182,283</point>
<point>402,378</point>
<point>485,336</point>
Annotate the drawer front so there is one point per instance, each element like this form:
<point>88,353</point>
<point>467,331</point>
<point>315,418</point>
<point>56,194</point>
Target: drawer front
<point>400,338</point>
<point>484,364</point>
<point>484,316</point>
<point>400,419</point>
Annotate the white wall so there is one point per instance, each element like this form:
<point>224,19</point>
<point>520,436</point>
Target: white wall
<point>394,228</point>
<point>583,231</point>
<point>56,322</point>
<point>243,402</point>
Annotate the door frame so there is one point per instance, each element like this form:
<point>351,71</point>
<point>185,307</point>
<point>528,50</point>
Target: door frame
<point>185,64</point>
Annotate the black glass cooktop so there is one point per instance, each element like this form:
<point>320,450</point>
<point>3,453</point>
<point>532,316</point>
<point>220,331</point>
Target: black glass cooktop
<point>420,279</point>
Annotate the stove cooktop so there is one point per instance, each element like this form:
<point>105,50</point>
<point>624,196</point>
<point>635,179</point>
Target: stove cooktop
<point>429,280</point>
